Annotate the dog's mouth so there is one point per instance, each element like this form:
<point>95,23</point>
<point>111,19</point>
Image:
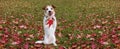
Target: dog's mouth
<point>50,13</point>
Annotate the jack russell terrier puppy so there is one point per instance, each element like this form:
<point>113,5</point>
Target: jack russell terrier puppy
<point>49,24</point>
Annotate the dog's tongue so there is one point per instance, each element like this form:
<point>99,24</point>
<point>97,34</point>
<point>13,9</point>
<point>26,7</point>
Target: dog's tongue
<point>50,22</point>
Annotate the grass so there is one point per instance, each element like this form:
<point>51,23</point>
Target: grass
<point>74,17</point>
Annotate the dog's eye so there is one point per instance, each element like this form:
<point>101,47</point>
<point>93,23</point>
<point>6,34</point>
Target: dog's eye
<point>51,8</point>
<point>46,8</point>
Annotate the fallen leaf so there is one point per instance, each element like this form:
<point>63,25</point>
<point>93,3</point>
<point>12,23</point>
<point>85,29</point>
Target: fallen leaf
<point>93,46</point>
<point>97,26</point>
<point>74,45</point>
<point>59,34</point>
<point>38,46</point>
<point>1,27</point>
<point>23,27</point>
<point>61,47</point>
<point>16,42</point>
<point>26,46</point>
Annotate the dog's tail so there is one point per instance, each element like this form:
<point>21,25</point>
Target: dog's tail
<point>39,41</point>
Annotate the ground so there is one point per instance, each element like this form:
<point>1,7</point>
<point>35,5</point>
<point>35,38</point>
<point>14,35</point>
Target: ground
<point>82,24</point>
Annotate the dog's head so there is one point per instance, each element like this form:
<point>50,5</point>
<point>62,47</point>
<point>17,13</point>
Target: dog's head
<point>49,10</point>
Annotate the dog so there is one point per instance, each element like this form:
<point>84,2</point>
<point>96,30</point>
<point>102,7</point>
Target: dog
<point>49,25</point>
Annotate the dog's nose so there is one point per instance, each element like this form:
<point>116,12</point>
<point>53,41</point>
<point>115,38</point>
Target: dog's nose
<point>49,11</point>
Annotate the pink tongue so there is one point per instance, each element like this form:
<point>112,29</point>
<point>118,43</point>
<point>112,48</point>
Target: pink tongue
<point>50,22</point>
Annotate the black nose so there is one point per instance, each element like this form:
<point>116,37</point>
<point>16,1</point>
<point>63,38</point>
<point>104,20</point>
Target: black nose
<point>49,11</point>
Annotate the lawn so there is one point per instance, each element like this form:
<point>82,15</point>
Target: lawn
<point>82,24</point>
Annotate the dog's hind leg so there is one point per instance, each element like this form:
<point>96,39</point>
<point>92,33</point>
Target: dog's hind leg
<point>54,41</point>
<point>54,44</point>
<point>39,41</point>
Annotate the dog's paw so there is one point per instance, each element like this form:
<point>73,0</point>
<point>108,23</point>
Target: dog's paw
<point>39,42</point>
<point>54,44</point>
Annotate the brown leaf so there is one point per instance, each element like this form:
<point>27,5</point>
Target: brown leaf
<point>97,26</point>
<point>59,34</point>
<point>16,21</point>
<point>79,36</point>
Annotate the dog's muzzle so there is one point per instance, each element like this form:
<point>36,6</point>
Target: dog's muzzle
<point>50,13</point>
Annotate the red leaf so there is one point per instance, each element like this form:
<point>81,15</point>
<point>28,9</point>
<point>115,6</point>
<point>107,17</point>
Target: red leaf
<point>104,36</point>
<point>50,22</point>
<point>26,34</point>
<point>39,28</point>
<point>16,38</point>
<point>38,46</point>
<point>61,47</point>
<point>113,31</point>
<point>3,40</point>
<point>93,46</point>
<point>16,42</point>
<point>93,35</point>
<point>40,37</point>
<point>26,46</point>
<point>6,31</point>
<point>74,45</point>
<point>116,40</point>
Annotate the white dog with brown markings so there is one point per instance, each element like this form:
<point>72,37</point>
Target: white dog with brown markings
<point>49,24</point>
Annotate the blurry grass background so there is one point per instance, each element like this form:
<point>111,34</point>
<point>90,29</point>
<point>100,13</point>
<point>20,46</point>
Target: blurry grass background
<point>64,8</point>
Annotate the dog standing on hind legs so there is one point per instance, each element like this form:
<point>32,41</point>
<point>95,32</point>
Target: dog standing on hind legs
<point>49,24</point>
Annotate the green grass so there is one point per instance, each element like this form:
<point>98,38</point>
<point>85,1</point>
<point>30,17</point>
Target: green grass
<point>84,13</point>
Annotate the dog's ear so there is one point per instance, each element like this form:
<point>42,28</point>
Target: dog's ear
<point>44,7</point>
<point>53,6</point>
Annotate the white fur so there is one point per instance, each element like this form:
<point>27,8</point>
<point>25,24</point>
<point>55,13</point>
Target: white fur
<point>49,37</point>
